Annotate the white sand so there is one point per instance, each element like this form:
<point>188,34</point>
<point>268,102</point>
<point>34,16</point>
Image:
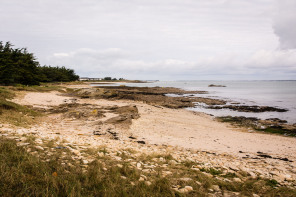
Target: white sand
<point>182,128</point>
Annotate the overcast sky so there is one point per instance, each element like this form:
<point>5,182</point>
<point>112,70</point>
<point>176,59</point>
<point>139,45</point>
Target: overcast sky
<point>157,39</point>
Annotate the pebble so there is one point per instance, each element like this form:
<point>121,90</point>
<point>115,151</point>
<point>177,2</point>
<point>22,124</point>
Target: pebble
<point>139,165</point>
<point>39,147</point>
<point>141,179</point>
<point>237,179</point>
<point>216,188</point>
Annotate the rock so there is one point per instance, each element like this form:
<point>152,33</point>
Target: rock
<point>23,138</point>
<point>208,174</point>
<point>233,168</point>
<point>161,159</point>
<point>172,162</point>
<point>189,188</point>
<point>253,175</point>
<point>183,190</point>
<point>105,169</point>
<point>76,152</point>
<point>148,183</point>
<point>166,173</point>
<point>230,194</point>
<point>185,179</point>
<point>139,165</point>
<point>117,158</point>
<point>288,177</point>
<point>84,161</point>
<point>237,179</point>
<point>198,183</point>
<point>141,179</point>
<point>123,177</point>
<point>213,85</point>
<point>256,195</point>
<point>144,177</point>
<point>119,165</point>
<point>141,142</point>
<point>23,144</point>
<point>39,147</point>
<point>101,154</point>
<point>133,184</point>
<point>216,188</point>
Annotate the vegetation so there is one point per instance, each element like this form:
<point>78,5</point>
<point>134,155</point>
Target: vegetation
<point>52,171</point>
<point>13,113</point>
<point>18,66</point>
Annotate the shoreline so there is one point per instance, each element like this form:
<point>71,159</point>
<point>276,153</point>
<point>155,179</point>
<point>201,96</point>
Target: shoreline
<point>159,120</point>
<point>121,123</point>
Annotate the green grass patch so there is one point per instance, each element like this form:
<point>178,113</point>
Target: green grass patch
<point>35,88</point>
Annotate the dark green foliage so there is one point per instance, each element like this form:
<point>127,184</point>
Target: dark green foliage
<point>56,74</point>
<point>272,183</point>
<point>108,78</point>
<point>17,66</point>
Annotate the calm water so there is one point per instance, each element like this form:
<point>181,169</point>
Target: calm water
<point>270,93</point>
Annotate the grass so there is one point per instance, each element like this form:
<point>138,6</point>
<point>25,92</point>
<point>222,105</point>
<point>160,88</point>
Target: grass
<point>55,172</point>
<point>41,88</point>
<point>212,171</point>
<point>23,174</point>
<point>13,113</point>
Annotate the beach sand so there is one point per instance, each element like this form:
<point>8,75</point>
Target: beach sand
<point>176,127</point>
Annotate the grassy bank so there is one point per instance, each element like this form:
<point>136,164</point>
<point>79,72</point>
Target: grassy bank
<point>51,169</point>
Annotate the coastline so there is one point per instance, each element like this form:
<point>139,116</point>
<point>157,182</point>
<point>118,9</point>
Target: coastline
<point>88,120</point>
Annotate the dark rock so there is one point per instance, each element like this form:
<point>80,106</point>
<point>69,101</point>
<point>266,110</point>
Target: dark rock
<point>141,142</point>
<point>213,85</point>
<point>265,156</point>
<point>246,108</point>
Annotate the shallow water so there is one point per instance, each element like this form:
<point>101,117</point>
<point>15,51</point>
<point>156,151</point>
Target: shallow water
<point>280,94</point>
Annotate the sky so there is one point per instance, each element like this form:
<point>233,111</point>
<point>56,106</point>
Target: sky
<point>158,39</point>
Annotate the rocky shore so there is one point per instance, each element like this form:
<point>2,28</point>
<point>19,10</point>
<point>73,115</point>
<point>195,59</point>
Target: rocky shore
<point>147,129</point>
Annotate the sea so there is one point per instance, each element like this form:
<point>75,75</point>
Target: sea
<point>281,94</point>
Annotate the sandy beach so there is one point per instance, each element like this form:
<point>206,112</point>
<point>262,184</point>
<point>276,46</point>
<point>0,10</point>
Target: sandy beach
<point>179,127</point>
<point>151,129</point>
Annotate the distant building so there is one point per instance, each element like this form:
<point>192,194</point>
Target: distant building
<point>89,79</point>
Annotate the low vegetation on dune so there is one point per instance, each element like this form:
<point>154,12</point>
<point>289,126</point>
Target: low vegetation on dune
<point>50,168</point>
<point>12,113</point>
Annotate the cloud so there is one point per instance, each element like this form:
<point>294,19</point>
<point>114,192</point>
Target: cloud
<point>285,23</point>
<point>160,39</point>
<point>120,63</point>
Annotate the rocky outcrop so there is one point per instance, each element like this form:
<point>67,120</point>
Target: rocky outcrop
<point>246,108</point>
<point>152,95</point>
<point>213,85</point>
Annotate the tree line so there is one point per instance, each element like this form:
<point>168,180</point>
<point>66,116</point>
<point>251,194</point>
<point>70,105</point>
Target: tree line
<point>18,66</point>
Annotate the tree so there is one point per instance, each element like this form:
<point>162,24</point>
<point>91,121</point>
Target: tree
<point>107,78</point>
<point>17,66</point>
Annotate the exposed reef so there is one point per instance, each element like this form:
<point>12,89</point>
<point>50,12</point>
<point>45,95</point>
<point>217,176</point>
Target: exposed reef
<point>246,108</point>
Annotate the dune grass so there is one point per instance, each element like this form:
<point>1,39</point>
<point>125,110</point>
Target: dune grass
<point>12,113</point>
